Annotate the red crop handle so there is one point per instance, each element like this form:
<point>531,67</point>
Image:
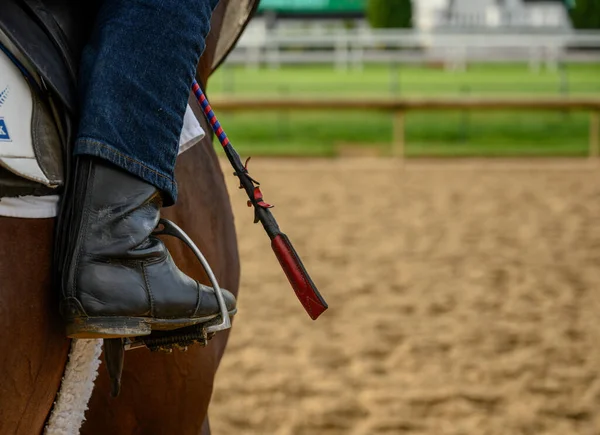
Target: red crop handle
<point>305,289</point>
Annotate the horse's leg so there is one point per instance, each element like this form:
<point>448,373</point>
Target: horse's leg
<point>33,347</point>
<point>170,393</point>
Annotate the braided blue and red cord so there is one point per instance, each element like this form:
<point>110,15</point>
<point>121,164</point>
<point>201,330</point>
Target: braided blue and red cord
<point>210,115</point>
<point>224,140</point>
<point>297,275</point>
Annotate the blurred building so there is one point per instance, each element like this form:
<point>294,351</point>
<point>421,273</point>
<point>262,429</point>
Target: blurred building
<point>314,8</point>
<point>428,14</point>
<point>500,13</point>
<point>314,15</point>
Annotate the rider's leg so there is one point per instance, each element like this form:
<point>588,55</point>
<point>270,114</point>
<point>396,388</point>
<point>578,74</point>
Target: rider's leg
<point>135,78</point>
<point>117,279</point>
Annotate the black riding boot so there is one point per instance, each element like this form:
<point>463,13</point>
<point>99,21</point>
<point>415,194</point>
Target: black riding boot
<point>117,279</point>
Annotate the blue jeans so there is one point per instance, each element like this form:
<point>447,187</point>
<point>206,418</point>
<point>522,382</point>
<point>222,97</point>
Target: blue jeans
<point>135,78</point>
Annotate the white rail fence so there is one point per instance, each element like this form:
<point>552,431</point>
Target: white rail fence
<point>354,48</point>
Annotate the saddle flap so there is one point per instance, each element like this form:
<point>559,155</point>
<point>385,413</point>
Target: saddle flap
<point>35,43</point>
<point>30,145</point>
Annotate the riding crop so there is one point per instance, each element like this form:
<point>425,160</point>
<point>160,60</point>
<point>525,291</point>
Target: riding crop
<point>300,280</point>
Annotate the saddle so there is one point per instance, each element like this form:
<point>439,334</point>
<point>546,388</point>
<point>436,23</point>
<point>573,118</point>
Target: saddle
<point>40,45</point>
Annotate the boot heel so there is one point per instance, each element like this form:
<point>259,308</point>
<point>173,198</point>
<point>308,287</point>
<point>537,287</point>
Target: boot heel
<point>107,327</point>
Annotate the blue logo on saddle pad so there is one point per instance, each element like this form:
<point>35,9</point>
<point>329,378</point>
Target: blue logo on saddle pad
<point>4,136</point>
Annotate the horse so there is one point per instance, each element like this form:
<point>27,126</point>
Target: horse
<point>161,393</point>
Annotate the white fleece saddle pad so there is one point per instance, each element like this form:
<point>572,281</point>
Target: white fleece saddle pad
<point>38,207</point>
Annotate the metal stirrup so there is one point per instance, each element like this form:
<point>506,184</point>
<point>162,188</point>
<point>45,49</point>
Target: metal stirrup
<point>170,229</point>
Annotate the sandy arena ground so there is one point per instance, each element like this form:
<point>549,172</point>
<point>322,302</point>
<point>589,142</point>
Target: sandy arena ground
<point>464,299</point>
